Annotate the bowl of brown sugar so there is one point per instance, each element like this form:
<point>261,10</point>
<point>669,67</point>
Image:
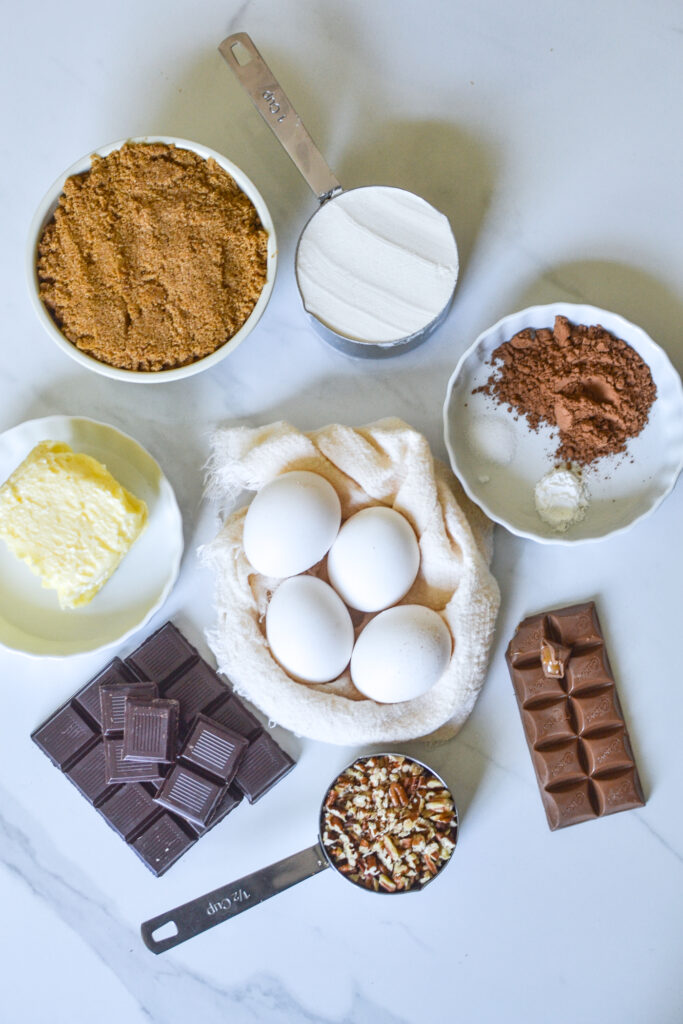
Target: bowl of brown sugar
<point>151,259</point>
<point>564,423</point>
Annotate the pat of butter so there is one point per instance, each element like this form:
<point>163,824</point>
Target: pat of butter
<point>69,520</point>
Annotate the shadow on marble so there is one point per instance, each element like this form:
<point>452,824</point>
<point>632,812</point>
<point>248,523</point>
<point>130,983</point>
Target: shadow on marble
<point>620,288</point>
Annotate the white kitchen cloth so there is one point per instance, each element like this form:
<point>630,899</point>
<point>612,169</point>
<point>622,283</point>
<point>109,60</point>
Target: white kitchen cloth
<point>385,463</point>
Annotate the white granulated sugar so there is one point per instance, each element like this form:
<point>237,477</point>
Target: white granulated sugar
<point>561,499</point>
<point>492,439</point>
<point>377,264</point>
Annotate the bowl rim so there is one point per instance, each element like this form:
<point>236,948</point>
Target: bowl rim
<point>550,310</point>
<point>44,212</point>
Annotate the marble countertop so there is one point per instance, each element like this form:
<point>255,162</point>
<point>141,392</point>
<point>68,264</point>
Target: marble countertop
<point>550,136</point>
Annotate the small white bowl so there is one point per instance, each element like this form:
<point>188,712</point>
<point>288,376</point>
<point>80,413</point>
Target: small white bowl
<point>44,214</point>
<point>31,621</point>
<point>499,460</point>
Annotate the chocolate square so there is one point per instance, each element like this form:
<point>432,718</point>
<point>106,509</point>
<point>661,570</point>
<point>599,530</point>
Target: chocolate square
<point>162,843</point>
<point>88,775</point>
<point>214,749</point>
<point>162,654</point>
<point>264,764</point>
<point>129,810</point>
<point>113,702</point>
<point>549,724</point>
<point>64,736</point>
<point>88,699</point>
<point>533,685</point>
<point>559,764</point>
<point>150,730</point>
<point>117,770</point>
<point>191,795</point>
<point>234,715</point>
<point>196,690</point>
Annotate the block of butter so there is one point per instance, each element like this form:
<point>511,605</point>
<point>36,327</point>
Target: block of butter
<point>69,520</point>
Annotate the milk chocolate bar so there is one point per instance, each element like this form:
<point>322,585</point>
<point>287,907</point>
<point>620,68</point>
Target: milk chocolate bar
<point>572,719</point>
<point>84,739</point>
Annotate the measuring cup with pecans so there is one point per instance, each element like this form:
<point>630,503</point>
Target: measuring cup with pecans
<point>387,824</point>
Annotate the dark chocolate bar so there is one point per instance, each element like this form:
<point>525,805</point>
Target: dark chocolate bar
<point>572,720</point>
<point>150,730</point>
<point>214,749</point>
<point>74,740</point>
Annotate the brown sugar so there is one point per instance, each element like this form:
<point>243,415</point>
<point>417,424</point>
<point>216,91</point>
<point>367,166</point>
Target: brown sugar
<point>593,387</point>
<point>154,258</point>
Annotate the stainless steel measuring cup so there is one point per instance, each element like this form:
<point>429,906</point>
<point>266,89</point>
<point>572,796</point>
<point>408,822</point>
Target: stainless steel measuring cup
<point>184,922</point>
<point>272,104</point>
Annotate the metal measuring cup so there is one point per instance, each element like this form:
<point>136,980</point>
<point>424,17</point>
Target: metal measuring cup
<point>184,922</point>
<point>272,104</point>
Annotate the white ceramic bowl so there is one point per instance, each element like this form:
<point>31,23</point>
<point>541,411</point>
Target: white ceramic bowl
<point>45,212</point>
<point>500,472</point>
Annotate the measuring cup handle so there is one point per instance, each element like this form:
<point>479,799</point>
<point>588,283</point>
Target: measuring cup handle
<point>191,918</point>
<point>270,100</point>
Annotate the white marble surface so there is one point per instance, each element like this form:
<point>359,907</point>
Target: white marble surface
<point>550,135</point>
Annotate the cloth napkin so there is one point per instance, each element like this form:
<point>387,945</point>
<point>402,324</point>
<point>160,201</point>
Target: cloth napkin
<point>383,463</point>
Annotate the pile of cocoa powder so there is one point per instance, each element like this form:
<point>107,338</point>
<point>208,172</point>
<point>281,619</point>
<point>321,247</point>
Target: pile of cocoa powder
<point>592,386</point>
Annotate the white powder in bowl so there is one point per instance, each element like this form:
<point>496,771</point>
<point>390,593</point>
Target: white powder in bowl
<point>377,264</point>
<point>492,439</point>
<point>561,499</point>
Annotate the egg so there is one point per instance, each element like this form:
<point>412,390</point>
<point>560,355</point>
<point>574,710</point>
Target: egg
<point>291,524</point>
<point>374,560</point>
<point>309,629</point>
<point>401,654</point>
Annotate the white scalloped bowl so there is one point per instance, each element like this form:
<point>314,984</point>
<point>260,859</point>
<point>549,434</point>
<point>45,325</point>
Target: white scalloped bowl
<point>44,214</point>
<point>623,489</point>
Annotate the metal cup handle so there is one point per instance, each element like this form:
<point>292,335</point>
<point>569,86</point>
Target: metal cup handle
<point>270,100</point>
<point>213,908</point>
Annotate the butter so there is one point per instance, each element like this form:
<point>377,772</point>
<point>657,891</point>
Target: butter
<point>69,520</point>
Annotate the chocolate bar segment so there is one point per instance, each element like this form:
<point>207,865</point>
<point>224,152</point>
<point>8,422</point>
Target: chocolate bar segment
<point>129,810</point>
<point>214,749</point>
<point>150,730</point>
<point>113,702</point>
<point>264,764</point>
<point>191,795</point>
<point>573,723</point>
<point>89,776</point>
<point>88,699</point>
<point>162,843</point>
<point>162,655</point>
<point>116,770</point>
<point>64,736</point>
<point>197,689</point>
<point>234,715</point>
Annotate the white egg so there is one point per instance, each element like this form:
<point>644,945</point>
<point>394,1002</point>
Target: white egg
<point>374,560</point>
<point>400,654</point>
<point>291,523</point>
<point>309,629</point>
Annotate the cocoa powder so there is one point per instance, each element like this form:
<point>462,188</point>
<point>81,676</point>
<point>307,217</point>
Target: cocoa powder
<point>593,387</point>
